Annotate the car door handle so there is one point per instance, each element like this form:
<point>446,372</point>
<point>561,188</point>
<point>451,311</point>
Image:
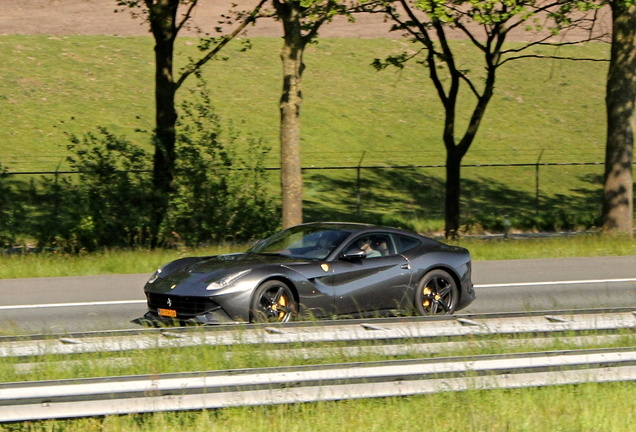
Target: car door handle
<point>406,266</point>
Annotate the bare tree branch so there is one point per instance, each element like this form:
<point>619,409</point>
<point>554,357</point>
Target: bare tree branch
<point>187,15</point>
<point>486,25</point>
<point>219,46</point>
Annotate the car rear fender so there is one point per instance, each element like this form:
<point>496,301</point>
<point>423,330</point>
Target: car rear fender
<point>448,270</point>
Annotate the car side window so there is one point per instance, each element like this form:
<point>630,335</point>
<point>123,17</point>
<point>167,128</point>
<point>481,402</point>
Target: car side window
<point>374,245</point>
<point>404,243</point>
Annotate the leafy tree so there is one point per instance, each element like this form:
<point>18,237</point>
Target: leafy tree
<point>220,194</point>
<point>17,201</point>
<point>7,210</point>
<point>618,199</point>
<point>301,21</point>
<point>165,24</point>
<point>56,216</point>
<point>113,193</point>
<point>486,24</point>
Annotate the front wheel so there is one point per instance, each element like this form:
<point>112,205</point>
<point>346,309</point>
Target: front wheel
<point>437,294</point>
<point>273,301</point>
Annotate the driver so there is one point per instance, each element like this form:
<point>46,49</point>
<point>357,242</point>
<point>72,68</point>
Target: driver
<point>365,245</point>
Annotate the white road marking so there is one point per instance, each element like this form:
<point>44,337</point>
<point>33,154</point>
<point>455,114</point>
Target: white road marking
<point>478,286</point>
<point>571,282</point>
<point>57,305</point>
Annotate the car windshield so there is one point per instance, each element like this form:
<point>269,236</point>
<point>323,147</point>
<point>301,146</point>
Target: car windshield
<point>314,242</point>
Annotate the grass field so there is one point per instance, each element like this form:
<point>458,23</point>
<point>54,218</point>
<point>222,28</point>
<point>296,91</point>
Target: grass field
<point>546,110</point>
<point>52,85</point>
<point>583,407</point>
<point>145,261</point>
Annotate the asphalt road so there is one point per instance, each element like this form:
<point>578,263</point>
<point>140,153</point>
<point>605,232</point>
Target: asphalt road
<point>74,304</point>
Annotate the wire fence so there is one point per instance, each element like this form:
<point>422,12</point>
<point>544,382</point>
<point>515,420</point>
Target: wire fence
<point>494,189</point>
<point>537,166</point>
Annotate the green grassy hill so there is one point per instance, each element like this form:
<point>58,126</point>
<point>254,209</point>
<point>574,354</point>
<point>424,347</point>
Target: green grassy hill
<point>50,86</point>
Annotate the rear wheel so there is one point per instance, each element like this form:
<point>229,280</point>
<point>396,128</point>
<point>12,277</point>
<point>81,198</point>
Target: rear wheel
<point>273,301</point>
<point>437,294</point>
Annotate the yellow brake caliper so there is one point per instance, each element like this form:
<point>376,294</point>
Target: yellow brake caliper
<point>427,292</point>
<point>282,302</point>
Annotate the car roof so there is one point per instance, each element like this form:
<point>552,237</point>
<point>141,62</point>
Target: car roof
<point>346,225</point>
<point>356,227</point>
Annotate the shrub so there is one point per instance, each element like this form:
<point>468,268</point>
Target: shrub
<point>108,205</point>
<point>221,194</point>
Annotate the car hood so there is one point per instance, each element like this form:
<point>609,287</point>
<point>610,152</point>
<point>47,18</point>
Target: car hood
<point>237,262</point>
<point>208,269</point>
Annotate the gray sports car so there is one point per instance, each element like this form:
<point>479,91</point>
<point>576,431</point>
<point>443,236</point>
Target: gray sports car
<point>315,270</point>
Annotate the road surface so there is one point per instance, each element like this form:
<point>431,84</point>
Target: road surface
<point>75,304</point>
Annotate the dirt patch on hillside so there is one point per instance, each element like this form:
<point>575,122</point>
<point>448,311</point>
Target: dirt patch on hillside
<point>98,17</point>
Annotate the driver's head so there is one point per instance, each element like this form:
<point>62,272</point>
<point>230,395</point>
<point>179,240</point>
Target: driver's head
<point>364,242</point>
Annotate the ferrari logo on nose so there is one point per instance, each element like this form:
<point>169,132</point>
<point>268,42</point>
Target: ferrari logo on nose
<point>169,302</point>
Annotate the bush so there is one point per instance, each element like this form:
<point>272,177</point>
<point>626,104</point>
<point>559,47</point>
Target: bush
<point>56,214</point>
<point>109,205</point>
<point>9,213</point>
<point>221,194</point>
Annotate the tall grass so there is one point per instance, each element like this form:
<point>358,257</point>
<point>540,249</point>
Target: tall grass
<point>575,408</point>
<point>583,407</point>
<point>146,261</point>
<point>582,245</point>
<point>238,355</point>
<point>104,262</point>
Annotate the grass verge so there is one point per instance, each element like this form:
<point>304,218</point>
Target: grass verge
<point>583,407</point>
<point>145,261</point>
<point>574,408</point>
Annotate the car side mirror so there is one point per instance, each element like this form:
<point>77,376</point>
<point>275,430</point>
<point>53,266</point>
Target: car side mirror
<point>354,254</point>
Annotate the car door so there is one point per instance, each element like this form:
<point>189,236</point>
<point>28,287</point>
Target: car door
<point>377,282</point>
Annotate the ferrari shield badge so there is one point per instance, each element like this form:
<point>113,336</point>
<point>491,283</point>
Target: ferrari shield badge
<point>325,267</point>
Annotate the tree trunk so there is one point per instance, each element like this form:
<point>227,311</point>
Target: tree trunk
<point>290,102</point>
<point>618,200</point>
<point>163,26</point>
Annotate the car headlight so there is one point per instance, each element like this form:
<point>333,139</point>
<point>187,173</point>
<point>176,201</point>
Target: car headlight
<point>154,276</point>
<point>227,280</point>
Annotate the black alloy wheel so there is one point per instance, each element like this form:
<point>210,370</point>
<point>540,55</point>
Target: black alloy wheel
<point>437,294</point>
<point>273,301</point>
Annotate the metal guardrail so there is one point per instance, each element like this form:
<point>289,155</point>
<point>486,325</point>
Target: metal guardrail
<point>386,331</point>
<point>218,389</point>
